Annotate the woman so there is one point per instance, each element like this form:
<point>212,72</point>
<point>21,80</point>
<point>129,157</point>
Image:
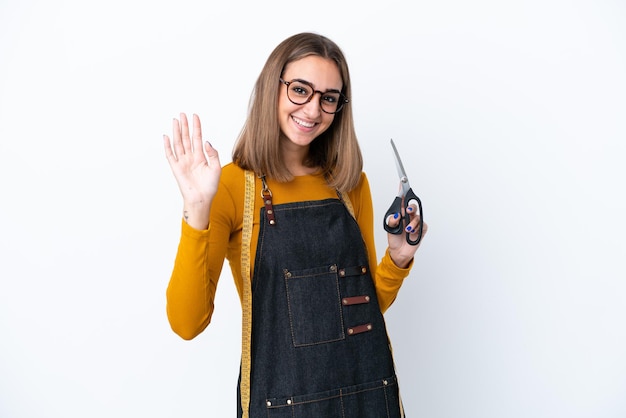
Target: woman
<point>283,214</point>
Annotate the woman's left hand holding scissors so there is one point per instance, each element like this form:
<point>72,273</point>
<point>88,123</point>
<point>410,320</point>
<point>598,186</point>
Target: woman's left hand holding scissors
<point>400,250</point>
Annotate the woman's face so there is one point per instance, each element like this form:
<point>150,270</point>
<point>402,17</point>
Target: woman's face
<point>301,124</point>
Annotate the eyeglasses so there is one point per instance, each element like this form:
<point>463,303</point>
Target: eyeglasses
<point>301,92</point>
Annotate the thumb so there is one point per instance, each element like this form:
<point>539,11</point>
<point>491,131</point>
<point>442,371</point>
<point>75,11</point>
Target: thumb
<point>211,153</point>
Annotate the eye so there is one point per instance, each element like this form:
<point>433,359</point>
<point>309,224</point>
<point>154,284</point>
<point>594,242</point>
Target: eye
<point>300,89</point>
<point>330,98</point>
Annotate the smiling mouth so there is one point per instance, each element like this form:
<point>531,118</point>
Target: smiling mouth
<point>303,123</point>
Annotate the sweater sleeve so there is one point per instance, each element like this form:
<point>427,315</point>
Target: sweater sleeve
<point>387,276</point>
<point>191,290</point>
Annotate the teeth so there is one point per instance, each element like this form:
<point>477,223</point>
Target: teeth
<point>303,123</point>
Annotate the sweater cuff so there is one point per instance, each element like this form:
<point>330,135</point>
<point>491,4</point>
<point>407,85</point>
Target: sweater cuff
<point>392,269</point>
<point>190,232</point>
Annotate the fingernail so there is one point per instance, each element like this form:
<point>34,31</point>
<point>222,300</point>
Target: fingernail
<point>409,229</point>
<point>395,215</point>
<point>410,208</point>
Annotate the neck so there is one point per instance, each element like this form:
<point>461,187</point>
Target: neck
<point>295,157</point>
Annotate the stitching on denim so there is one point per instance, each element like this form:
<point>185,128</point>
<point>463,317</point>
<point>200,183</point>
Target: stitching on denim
<point>327,202</point>
<point>291,322</point>
<point>343,413</point>
<point>386,401</point>
<point>342,394</point>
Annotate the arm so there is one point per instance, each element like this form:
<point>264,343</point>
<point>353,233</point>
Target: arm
<point>197,268</point>
<point>192,286</point>
<point>387,276</point>
<point>191,289</point>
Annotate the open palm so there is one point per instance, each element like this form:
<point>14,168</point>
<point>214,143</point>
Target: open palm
<point>195,165</point>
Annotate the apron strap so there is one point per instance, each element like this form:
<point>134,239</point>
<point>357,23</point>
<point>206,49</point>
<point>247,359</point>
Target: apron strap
<point>347,202</point>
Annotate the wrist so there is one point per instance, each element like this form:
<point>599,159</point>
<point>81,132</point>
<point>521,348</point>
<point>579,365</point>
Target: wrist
<point>402,261</point>
<point>197,215</point>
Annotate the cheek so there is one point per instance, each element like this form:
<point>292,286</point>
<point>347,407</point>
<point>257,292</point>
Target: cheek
<point>327,120</point>
<point>284,104</point>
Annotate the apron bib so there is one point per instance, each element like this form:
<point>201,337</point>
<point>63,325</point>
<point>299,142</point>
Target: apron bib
<point>319,344</point>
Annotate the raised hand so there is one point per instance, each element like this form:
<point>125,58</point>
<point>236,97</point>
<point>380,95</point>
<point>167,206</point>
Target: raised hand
<point>196,167</point>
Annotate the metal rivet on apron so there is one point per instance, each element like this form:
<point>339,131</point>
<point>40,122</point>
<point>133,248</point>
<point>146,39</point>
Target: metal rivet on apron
<point>350,331</point>
<point>363,270</point>
<point>287,273</point>
<point>385,382</point>
<point>333,268</point>
<point>342,273</point>
<point>367,298</point>
<point>269,403</point>
<point>288,401</point>
<point>272,222</point>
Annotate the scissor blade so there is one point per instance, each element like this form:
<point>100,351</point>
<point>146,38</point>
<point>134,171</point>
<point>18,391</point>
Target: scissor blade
<point>399,166</point>
<point>404,180</point>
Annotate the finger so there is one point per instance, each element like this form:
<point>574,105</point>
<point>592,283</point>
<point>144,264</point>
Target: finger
<point>169,154</point>
<point>393,220</point>
<point>212,154</point>
<point>414,227</point>
<point>411,208</point>
<point>178,145</point>
<point>184,126</point>
<point>197,133</point>
<point>424,228</point>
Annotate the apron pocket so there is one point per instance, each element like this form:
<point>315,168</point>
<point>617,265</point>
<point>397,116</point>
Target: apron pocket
<point>314,304</point>
<point>376,399</point>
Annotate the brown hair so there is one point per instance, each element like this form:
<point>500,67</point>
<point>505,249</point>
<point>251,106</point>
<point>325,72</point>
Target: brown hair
<point>336,151</point>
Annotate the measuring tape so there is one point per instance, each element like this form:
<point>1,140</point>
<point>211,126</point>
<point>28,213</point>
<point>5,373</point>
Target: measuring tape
<point>246,321</point>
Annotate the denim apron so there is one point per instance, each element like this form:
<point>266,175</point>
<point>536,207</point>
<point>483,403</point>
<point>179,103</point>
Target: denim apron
<point>319,344</point>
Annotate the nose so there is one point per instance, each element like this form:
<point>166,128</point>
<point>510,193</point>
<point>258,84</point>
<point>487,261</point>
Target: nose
<point>314,107</point>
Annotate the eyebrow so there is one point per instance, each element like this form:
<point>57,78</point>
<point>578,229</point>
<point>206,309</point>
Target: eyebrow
<point>313,85</point>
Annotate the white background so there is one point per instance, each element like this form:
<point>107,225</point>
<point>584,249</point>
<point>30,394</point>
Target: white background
<point>510,116</point>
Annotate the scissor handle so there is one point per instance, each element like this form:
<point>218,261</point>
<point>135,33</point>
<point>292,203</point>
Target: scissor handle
<point>420,226</point>
<point>396,207</point>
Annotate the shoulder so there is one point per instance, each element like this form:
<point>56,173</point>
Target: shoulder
<point>361,196</point>
<point>226,208</point>
<point>232,183</point>
<point>363,182</point>
<point>232,171</point>
<point>362,186</point>
<point>232,177</point>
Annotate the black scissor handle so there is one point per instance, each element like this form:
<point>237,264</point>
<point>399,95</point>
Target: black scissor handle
<point>396,207</point>
<point>420,226</point>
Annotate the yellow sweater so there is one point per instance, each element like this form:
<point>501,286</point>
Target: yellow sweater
<point>201,254</point>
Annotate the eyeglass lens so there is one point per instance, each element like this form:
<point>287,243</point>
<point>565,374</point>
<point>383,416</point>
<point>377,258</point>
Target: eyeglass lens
<point>301,93</point>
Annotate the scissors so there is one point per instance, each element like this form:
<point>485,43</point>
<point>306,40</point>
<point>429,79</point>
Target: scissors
<point>405,195</point>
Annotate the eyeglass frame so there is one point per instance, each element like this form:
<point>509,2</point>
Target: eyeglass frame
<point>342,98</point>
